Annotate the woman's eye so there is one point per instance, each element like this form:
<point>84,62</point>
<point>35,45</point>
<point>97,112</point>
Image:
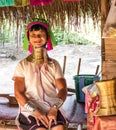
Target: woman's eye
<point>37,36</point>
<point>34,36</point>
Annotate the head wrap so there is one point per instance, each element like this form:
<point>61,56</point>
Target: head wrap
<point>51,39</point>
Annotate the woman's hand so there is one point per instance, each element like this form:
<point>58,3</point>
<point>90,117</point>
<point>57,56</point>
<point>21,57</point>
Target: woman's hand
<point>52,116</point>
<point>40,117</point>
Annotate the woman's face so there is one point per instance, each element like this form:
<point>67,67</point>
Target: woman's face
<point>37,38</point>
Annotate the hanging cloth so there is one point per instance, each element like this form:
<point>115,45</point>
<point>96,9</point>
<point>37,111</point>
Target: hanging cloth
<point>109,30</point>
<point>6,2</point>
<point>39,2</point>
<point>21,3</point>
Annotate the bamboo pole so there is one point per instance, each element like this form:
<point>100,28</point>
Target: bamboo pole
<point>79,64</point>
<point>64,64</point>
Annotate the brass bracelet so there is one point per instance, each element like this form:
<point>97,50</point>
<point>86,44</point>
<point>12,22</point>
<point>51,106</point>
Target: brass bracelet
<point>30,106</point>
<point>58,104</point>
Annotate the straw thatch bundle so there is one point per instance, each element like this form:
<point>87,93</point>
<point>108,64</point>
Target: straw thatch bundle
<point>63,14</point>
<point>57,12</point>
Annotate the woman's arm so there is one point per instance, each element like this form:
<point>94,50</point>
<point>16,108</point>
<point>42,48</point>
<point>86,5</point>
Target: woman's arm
<point>62,93</point>
<point>62,88</point>
<point>19,90</point>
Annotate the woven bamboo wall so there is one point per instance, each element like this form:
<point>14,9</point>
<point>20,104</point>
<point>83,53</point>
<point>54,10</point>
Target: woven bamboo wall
<point>109,59</point>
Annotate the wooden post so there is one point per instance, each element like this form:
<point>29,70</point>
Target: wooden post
<point>104,13</point>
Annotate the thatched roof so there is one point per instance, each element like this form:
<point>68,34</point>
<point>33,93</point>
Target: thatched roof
<point>56,12</point>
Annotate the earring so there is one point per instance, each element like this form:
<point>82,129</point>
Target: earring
<point>30,48</point>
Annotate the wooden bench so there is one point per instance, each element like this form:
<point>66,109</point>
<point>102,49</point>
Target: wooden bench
<point>8,109</point>
<point>75,113</point>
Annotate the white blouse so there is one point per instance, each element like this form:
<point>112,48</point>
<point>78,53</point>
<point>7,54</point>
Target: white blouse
<point>40,83</point>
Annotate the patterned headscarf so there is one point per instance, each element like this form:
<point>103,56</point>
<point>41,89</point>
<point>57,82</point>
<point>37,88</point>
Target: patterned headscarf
<point>51,39</point>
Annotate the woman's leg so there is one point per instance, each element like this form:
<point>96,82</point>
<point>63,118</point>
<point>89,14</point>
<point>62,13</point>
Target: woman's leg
<point>59,127</point>
<point>61,123</point>
<point>27,123</point>
<point>40,129</point>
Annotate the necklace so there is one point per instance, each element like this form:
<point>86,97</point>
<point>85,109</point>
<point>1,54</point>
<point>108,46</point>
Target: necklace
<point>39,56</point>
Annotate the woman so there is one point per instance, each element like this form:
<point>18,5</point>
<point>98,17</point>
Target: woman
<point>39,84</point>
